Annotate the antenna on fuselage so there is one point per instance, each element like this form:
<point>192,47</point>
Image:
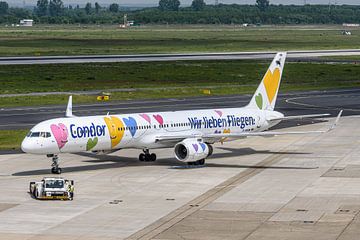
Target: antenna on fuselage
<point>69,108</point>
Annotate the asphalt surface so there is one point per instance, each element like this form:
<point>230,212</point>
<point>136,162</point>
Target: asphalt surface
<point>172,57</point>
<point>296,103</point>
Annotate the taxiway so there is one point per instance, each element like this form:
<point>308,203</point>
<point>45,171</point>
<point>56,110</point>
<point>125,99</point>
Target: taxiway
<point>173,57</point>
<point>287,187</point>
<point>295,103</point>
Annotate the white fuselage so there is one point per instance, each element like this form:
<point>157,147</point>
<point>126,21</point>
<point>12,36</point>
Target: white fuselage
<point>140,130</point>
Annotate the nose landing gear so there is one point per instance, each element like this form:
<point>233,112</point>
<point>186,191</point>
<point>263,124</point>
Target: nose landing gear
<point>55,164</point>
<point>147,157</point>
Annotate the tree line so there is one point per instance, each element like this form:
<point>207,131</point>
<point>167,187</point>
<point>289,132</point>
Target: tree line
<point>170,12</point>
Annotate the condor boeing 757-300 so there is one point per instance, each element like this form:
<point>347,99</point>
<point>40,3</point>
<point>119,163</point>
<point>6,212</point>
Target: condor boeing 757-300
<point>190,133</point>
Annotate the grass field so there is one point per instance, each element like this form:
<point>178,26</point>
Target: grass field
<point>163,79</point>
<point>74,39</point>
<point>11,139</point>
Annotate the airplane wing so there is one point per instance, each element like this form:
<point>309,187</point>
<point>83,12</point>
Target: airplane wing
<point>299,117</point>
<point>174,138</point>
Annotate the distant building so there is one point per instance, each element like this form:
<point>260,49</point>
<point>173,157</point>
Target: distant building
<point>351,25</point>
<point>27,22</point>
<point>127,23</point>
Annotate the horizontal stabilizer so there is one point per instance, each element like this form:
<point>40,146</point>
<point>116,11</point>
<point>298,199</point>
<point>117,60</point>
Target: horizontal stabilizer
<point>299,117</point>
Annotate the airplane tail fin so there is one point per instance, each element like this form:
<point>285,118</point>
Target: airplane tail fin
<point>266,94</point>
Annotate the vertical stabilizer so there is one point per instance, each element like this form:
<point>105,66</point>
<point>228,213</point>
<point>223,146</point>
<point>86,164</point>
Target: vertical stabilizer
<point>266,94</point>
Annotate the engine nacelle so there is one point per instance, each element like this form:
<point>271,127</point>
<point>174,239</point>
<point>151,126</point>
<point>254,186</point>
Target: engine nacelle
<point>191,150</point>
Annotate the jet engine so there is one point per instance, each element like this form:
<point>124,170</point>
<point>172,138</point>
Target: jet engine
<point>191,150</point>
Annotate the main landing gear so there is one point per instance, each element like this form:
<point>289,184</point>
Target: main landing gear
<point>147,157</point>
<point>197,163</point>
<point>55,164</point>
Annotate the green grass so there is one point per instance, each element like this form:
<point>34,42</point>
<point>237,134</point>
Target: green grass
<point>11,139</point>
<point>103,76</point>
<point>73,40</point>
<point>189,78</point>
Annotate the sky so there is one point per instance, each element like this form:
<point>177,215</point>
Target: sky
<point>185,2</point>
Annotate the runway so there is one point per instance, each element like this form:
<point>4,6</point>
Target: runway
<point>172,57</point>
<point>295,103</point>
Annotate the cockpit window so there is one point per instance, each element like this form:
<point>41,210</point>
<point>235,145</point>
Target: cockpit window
<point>39,134</point>
<point>35,134</point>
<point>45,134</point>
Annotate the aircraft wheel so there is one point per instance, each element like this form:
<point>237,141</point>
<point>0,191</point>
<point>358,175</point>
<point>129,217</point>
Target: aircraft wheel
<point>142,157</point>
<point>153,157</point>
<point>56,170</point>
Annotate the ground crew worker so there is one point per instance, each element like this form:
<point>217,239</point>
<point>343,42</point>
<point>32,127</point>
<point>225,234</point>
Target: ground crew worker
<point>71,191</point>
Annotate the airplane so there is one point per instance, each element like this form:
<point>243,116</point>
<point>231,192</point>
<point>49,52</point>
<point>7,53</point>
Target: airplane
<point>190,133</point>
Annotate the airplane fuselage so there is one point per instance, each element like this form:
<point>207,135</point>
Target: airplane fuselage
<point>140,130</point>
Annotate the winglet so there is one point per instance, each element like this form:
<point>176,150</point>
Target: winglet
<point>69,108</point>
<point>336,121</point>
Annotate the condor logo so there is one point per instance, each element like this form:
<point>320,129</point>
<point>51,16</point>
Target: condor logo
<point>87,131</point>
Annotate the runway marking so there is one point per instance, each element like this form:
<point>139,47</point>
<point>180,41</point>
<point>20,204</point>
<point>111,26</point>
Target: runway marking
<point>291,101</point>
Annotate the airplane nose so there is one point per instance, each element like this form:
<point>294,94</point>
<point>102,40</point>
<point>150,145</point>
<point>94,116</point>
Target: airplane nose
<point>25,145</point>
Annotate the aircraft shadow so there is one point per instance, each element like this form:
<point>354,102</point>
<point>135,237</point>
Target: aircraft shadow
<point>111,161</point>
